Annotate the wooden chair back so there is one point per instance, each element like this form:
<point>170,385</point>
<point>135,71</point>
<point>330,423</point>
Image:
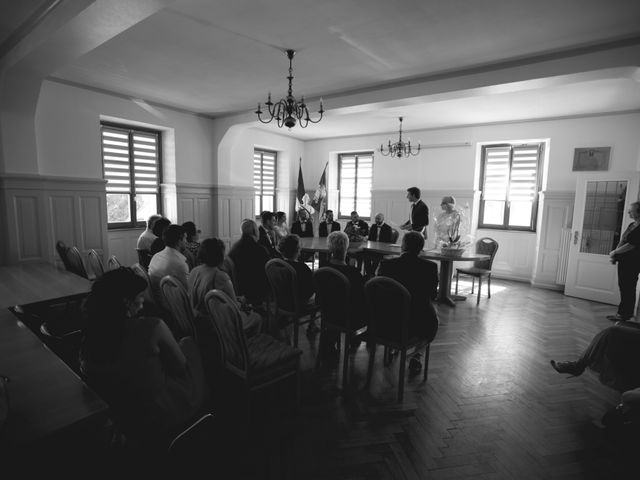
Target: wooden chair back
<point>76,264</point>
<point>227,322</point>
<point>177,300</point>
<point>113,263</point>
<point>333,294</point>
<point>62,250</point>
<point>389,307</point>
<point>95,262</point>
<point>283,280</point>
<point>486,246</point>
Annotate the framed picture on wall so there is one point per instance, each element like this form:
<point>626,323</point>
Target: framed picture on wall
<point>591,159</point>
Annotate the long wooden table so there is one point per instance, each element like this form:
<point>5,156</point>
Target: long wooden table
<point>46,397</point>
<point>316,244</point>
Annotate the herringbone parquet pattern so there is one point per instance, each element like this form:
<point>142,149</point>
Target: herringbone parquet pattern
<point>492,406</point>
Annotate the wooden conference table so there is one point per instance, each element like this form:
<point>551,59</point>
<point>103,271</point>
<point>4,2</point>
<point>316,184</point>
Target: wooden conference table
<point>46,398</point>
<point>317,244</point>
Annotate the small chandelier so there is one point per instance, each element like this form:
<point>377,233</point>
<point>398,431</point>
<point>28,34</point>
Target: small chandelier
<point>399,148</point>
<point>288,111</point>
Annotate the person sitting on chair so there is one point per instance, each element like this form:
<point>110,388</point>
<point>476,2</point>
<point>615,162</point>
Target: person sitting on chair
<point>208,276</point>
<point>328,225</point>
<point>420,277</point>
<point>356,229</point>
<point>147,237</point>
<point>158,229</point>
<point>152,384</point>
<point>281,228</point>
<point>614,353</point>
<point>191,245</point>
<point>303,226</point>
<point>266,233</point>
<point>338,244</point>
<point>169,261</point>
<point>250,258</point>
<point>379,232</point>
<point>290,249</point>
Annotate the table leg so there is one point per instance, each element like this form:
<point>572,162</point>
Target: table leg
<point>445,283</point>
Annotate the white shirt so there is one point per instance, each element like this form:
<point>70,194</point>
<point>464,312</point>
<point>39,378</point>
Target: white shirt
<point>167,262</point>
<point>145,240</point>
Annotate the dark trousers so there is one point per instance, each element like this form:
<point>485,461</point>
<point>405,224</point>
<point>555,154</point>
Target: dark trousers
<point>628,271</point>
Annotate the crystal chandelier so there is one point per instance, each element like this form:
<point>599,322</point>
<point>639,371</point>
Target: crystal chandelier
<point>399,148</point>
<point>288,111</point>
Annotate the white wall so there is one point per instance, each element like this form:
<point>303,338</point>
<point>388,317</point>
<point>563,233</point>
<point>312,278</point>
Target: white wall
<point>68,133</point>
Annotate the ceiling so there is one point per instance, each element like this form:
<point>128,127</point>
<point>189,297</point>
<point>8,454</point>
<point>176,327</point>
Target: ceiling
<point>221,58</point>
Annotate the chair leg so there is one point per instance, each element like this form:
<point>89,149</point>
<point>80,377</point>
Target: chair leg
<point>403,362</point>
<point>426,362</point>
<point>473,284</point>
<point>345,364</point>
<point>457,275</point>
<point>479,290</point>
<point>320,350</point>
<point>372,357</point>
<point>489,286</point>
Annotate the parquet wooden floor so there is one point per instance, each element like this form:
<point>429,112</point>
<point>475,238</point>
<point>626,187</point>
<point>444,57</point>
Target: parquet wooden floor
<point>492,407</point>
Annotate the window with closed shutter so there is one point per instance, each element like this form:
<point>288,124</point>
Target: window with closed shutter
<point>355,182</point>
<point>131,162</point>
<point>264,180</point>
<point>510,183</point>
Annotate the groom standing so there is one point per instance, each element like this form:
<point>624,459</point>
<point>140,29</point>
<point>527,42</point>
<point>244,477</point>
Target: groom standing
<point>419,213</point>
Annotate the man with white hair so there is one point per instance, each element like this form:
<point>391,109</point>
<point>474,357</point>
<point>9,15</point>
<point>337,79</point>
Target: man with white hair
<point>250,258</point>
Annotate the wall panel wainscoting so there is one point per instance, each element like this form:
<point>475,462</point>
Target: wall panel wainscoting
<point>39,210</point>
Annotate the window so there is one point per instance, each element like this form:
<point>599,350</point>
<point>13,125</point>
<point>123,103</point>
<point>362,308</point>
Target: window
<point>356,177</point>
<point>131,162</point>
<point>510,181</point>
<point>264,180</point>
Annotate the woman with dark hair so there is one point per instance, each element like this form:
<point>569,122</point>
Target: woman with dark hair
<point>208,276</point>
<point>154,385</point>
<point>281,228</point>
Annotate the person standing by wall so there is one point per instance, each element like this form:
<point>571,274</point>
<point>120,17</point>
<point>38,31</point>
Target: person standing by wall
<point>419,219</point>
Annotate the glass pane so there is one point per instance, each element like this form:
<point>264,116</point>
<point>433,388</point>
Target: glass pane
<point>118,208</point>
<point>520,214</point>
<point>267,203</point>
<point>146,205</point>
<point>603,215</point>
<point>493,212</point>
<point>257,206</point>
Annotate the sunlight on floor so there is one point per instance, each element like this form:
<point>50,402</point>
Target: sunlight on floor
<point>464,288</point>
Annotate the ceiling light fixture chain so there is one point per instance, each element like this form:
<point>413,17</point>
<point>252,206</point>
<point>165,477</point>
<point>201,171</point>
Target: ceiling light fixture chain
<point>399,148</point>
<point>288,111</point>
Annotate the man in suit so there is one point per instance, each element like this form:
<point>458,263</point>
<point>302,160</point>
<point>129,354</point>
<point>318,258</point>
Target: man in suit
<point>419,213</point>
<point>420,277</point>
<point>327,226</point>
<point>356,229</point>
<point>266,234</point>
<point>379,232</point>
<point>250,258</point>
<point>303,226</point>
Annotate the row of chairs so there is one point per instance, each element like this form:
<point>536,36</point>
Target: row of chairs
<point>73,262</point>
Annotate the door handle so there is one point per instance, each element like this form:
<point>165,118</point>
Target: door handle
<point>576,234</point>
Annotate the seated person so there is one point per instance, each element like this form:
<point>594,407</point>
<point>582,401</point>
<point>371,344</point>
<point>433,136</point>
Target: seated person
<point>356,229</point>
<point>281,228</point>
<point>250,258</point>
<point>303,226</point>
<point>266,234</point>
<point>379,232</point>
<point>170,261</point>
<point>147,237</point>
<point>290,248</point>
<point>208,276</point>
<point>158,227</point>
<point>338,244</point>
<point>614,353</point>
<point>192,245</point>
<point>154,386</point>
<point>420,277</point>
<point>328,225</point>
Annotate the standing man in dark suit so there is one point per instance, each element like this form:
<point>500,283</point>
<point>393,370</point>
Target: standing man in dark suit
<point>327,226</point>
<point>267,235</point>
<point>419,213</point>
<point>420,277</point>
